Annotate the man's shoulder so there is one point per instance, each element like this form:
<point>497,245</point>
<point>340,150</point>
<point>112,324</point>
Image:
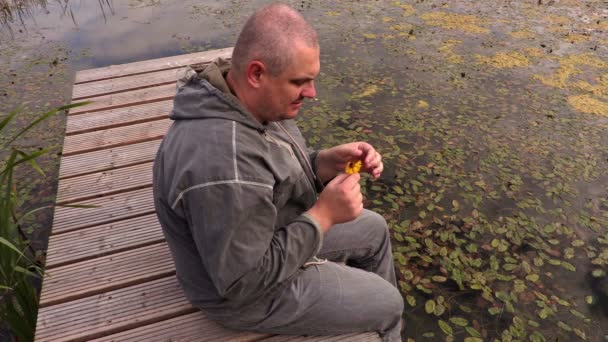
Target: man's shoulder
<point>213,139</point>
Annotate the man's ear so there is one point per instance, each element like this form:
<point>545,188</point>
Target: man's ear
<point>254,73</point>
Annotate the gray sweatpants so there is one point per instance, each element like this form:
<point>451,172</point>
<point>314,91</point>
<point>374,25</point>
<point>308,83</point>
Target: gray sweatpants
<point>333,298</point>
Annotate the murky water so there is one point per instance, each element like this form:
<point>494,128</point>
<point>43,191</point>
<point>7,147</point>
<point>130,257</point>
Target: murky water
<point>492,117</point>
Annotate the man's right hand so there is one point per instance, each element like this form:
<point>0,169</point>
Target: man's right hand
<point>340,201</point>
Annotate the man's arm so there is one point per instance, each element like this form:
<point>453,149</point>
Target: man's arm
<point>341,201</point>
<point>233,228</point>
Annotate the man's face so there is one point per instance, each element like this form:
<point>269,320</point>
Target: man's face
<point>283,94</point>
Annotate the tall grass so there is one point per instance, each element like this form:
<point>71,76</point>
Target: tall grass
<point>18,295</point>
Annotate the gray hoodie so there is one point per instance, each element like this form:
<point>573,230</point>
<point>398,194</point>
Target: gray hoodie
<point>230,194</point>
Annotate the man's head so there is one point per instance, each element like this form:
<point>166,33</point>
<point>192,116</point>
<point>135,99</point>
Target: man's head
<point>274,63</point>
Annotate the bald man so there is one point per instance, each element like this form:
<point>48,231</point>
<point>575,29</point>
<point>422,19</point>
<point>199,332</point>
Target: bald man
<point>259,243</point>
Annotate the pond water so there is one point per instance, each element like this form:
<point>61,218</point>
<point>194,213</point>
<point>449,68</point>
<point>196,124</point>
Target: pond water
<point>492,117</point>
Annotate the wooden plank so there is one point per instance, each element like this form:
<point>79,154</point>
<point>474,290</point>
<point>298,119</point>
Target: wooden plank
<point>127,98</point>
<point>103,274</point>
<point>136,310</point>
<point>150,65</point>
<point>103,240</point>
<point>355,337</point>
<point>112,312</point>
<point>107,159</point>
<point>132,82</point>
<point>104,183</point>
<point>192,327</point>
<point>88,122</point>
<point>114,137</point>
<point>107,209</point>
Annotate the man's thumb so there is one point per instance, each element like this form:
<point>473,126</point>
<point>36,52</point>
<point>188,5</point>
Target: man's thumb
<point>339,178</point>
<point>350,180</point>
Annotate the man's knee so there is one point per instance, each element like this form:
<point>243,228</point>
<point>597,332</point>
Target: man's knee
<point>376,225</point>
<point>375,219</point>
<point>397,302</point>
<point>390,306</point>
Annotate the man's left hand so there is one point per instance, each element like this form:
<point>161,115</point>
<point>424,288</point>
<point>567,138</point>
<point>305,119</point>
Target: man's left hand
<point>332,161</point>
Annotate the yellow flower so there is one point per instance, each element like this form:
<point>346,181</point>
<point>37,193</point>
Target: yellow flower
<point>353,167</point>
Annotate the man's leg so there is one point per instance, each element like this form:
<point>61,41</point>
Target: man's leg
<point>362,243</point>
<point>330,298</point>
<point>327,299</point>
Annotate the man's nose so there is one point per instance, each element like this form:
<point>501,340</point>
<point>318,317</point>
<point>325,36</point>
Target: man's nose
<point>309,91</point>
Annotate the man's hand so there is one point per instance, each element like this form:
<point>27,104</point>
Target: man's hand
<point>340,201</point>
<point>332,161</point>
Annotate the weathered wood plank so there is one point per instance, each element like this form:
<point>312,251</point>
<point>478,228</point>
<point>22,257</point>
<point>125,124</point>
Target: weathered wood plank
<point>94,121</point>
<point>192,327</point>
<point>127,98</point>
<point>150,65</point>
<point>132,82</point>
<point>103,274</point>
<point>102,240</point>
<point>114,137</point>
<point>107,209</point>
<point>107,159</point>
<point>112,312</point>
<point>104,183</point>
<point>355,337</point>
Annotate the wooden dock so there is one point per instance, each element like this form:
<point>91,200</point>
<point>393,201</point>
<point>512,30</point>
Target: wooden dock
<point>110,276</point>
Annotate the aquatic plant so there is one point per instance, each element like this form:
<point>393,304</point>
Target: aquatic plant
<point>18,268</point>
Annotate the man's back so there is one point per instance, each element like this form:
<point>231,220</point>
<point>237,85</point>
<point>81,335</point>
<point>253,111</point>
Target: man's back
<point>223,184</point>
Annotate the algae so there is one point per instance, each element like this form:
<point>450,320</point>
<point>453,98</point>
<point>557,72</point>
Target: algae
<point>588,104</point>
<point>523,34</point>
<point>568,68</point>
<point>447,49</point>
<point>505,60</point>
<point>454,21</point>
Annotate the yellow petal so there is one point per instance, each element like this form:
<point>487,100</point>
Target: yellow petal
<point>353,167</point>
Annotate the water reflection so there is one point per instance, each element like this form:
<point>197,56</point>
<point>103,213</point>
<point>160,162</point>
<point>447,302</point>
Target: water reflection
<point>20,15</point>
<point>114,32</point>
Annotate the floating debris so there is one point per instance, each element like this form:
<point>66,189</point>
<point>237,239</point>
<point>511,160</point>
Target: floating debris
<point>422,104</point>
<point>368,91</point>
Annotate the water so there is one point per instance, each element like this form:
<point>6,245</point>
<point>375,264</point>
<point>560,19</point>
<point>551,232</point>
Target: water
<point>115,32</point>
<point>491,117</point>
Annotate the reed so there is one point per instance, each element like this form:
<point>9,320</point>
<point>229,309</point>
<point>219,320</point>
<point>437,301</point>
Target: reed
<point>18,269</point>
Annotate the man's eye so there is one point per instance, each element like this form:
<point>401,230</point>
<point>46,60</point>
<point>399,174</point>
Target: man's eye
<point>298,82</point>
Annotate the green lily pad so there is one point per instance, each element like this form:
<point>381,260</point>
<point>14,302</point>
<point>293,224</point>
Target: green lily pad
<point>533,277</point>
<point>473,332</point>
<point>411,300</point>
<point>459,321</point>
<point>445,327</point>
<point>429,306</point>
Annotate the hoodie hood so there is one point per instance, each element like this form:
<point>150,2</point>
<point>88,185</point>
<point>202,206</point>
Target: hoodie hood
<point>207,95</point>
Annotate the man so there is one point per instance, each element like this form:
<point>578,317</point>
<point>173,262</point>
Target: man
<point>238,197</point>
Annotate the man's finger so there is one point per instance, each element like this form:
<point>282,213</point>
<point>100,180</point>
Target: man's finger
<point>351,180</point>
<point>350,153</point>
<point>378,170</point>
